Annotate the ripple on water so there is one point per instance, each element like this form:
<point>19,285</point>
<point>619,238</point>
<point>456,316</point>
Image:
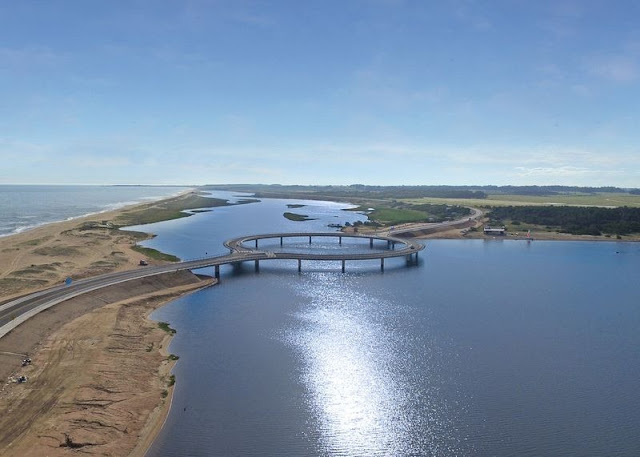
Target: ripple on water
<point>370,391</point>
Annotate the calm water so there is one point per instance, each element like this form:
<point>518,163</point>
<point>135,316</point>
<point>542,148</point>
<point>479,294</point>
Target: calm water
<point>24,207</point>
<point>485,348</point>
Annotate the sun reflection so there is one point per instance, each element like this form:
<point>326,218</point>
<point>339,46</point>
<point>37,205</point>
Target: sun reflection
<point>356,401</point>
<point>374,387</point>
<point>351,372</point>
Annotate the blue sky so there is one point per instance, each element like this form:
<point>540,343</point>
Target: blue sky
<point>320,92</point>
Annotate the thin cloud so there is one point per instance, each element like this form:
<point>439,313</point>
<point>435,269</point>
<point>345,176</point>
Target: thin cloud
<point>565,171</point>
<point>23,151</point>
<point>618,69</point>
<point>253,18</point>
<point>30,57</point>
<point>102,162</point>
<point>464,11</point>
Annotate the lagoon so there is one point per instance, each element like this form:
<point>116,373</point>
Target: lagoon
<point>485,348</point>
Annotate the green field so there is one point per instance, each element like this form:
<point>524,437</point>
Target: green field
<point>597,199</point>
<point>392,216</point>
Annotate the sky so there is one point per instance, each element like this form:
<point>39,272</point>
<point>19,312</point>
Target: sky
<point>385,92</point>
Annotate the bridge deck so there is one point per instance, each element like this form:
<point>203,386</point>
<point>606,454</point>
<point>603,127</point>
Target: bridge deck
<point>19,310</point>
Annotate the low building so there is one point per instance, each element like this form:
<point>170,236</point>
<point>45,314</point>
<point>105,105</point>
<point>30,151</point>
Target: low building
<point>495,230</point>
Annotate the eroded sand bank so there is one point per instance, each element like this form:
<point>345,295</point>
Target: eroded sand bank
<point>99,382</point>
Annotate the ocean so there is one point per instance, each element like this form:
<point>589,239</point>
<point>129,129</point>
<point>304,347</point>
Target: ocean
<point>486,347</point>
<point>26,206</point>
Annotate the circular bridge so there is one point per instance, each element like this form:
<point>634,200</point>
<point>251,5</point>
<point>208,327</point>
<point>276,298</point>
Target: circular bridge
<point>248,246</point>
<point>14,312</point>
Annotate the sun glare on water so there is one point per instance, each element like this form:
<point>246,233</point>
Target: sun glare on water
<point>356,377</point>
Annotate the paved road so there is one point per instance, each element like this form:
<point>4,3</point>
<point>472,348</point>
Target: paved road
<point>19,310</point>
<point>434,227</point>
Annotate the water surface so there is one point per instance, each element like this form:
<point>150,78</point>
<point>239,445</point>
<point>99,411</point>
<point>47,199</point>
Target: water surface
<point>26,206</point>
<point>484,348</point>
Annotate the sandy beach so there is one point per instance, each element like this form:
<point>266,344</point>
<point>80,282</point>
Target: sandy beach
<point>99,380</point>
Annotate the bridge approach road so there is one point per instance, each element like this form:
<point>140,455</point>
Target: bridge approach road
<point>17,311</point>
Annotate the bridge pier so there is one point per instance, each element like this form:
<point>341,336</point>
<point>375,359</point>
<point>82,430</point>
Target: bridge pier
<point>281,241</point>
<point>381,263</point>
<point>299,265</point>
<point>343,266</point>
<point>309,240</point>
<point>217,271</point>
<point>257,266</point>
<point>371,243</point>
<point>256,243</point>
<point>340,240</point>
<point>412,258</point>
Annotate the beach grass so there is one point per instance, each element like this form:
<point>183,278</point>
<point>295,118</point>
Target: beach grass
<point>164,210</point>
<point>12,285</point>
<point>155,254</point>
<point>57,251</point>
<point>165,326</point>
<point>35,242</point>
<point>37,269</point>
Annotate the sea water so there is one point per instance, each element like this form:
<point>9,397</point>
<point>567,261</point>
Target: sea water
<point>486,347</point>
<point>26,206</point>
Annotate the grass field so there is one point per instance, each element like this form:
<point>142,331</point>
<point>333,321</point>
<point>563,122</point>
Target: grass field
<point>391,216</point>
<point>598,199</point>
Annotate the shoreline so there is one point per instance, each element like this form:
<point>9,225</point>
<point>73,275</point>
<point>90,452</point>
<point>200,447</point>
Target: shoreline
<point>537,236</point>
<point>101,381</point>
<point>34,259</point>
<point>86,246</point>
<point>159,417</point>
<point>466,234</point>
<point>115,207</point>
<point>64,243</point>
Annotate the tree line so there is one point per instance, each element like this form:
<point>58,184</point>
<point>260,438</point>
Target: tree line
<point>572,219</point>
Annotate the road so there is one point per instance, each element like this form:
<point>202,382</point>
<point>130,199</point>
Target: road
<point>434,227</point>
<point>19,310</point>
